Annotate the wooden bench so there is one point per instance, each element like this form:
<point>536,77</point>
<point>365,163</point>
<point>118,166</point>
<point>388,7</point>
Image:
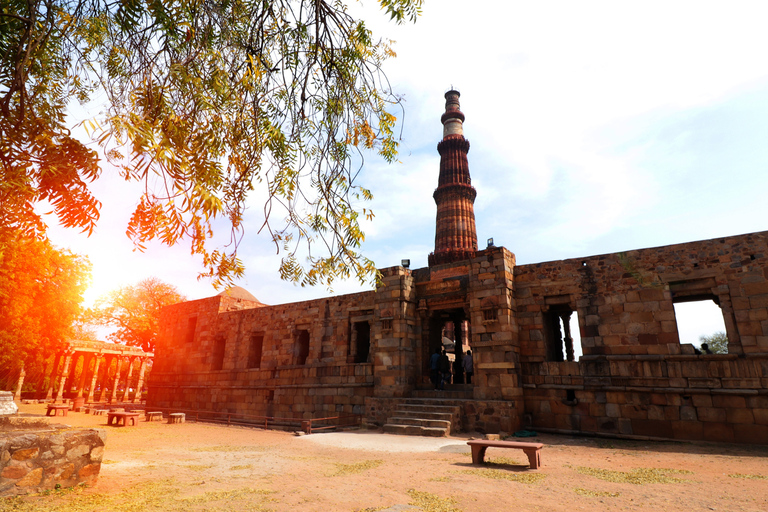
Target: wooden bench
<point>56,408</point>
<point>126,418</point>
<point>154,415</point>
<point>532,450</point>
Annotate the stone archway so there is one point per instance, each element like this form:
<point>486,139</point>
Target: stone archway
<point>444,326</point>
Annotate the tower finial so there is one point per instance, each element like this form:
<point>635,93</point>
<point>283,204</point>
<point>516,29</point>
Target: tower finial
<point>453,118</point>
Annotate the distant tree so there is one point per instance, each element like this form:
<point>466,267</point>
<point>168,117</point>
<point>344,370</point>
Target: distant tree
<point>41,292</point>
<point>135,311</point>
<point>203,103</point>
<point>717,342</point>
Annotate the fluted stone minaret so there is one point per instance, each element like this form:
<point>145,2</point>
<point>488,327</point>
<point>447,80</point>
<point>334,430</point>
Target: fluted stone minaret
<point>455,234</point>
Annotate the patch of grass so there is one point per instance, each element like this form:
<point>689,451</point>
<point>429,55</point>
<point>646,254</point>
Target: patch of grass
<point>596,494</point>
<point>230,448</point>
<point>748,477</point>
<point>495,474</point>
<point>357,467</point>
<point>163,495</point>
<point>9,424</point>
<point>440,479</point>
<point>147,496</point>
<point>639,476</point>
<point>198,467</point>
<point>502,461</point>
<point>432,502</point>
<point>236,494</point>
<point>370,509</point>
<point>244,466</point>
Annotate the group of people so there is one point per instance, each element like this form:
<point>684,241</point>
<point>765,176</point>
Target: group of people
<point>441,371</point>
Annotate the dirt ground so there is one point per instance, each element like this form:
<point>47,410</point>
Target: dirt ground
<point>197,466</point>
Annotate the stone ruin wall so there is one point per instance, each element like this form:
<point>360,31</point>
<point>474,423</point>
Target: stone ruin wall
<point>328,382</point>
<point>635,378</point>
<point>35,461</point>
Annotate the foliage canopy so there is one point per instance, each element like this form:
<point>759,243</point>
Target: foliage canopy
<point>135,311</point>
<point>41,289</point>
<point>717,342</point>
<point>204,102</point>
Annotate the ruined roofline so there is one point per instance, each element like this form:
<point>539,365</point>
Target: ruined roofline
<point>261,305</point>
<point>679,244</point>
<point>324,298</point>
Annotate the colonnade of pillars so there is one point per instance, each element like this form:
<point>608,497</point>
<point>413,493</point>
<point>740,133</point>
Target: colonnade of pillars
<point>94,378</point>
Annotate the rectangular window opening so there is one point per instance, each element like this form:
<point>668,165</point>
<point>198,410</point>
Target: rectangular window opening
<point>362,341</point>
<point>255,348</point>
<point>700,323</point>
<point>561,334</point>
<point>191,326</point>
<point>302,347</point>
<point>219,348</point>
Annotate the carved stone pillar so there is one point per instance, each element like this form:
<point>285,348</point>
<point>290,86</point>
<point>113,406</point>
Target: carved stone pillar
<point>72,372</point>
<point>92,388</point>
<point>128,380</point>
<point>81,384</point>
<point>54,375</point>
<point>567,336</point>
<point>118,365</point>
<point>40,388</point>
<point>64,375</point>
<point>137,396</point>
<point>22,374</point>
<point>105,379</point>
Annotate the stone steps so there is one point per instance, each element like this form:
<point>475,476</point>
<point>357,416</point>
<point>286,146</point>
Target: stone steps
<point>452,391</point>
<point>414,430</point>
<point>422,422</point>
<point>422,417</point>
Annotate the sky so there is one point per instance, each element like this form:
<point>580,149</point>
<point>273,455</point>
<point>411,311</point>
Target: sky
<point>595,127</point>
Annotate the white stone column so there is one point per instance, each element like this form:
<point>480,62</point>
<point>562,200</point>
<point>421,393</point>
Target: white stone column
<point>22,374</point>
<point>64,376</point>
<point>92,389</point>
<point>137,395</point>
<point>118,365</point>
<point>128,379</point>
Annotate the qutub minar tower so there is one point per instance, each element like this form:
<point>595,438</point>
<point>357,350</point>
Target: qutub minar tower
<point>455,232</point>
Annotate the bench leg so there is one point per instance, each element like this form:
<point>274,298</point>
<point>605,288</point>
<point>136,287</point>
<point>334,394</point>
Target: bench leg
<point>478,454</point>
<point>534,458</point>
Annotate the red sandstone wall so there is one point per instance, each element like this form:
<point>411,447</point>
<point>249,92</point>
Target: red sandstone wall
<point>635,379</point>
<point>185,376</point>
<point>624,300</point>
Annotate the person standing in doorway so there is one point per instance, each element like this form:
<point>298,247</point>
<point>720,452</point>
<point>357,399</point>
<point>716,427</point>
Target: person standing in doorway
<point>444,365</point>
<point>434,368</point>
<point>469,366</point>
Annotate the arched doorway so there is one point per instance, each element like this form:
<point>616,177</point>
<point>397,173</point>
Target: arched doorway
<point>449,331</point>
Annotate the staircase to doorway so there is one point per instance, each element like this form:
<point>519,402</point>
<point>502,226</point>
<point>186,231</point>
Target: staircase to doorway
<point>429,412</point>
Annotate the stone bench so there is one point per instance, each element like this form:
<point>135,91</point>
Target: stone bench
<point>154,415</point>
<point>55,409</point>
<point>98,412</point>
<point>126,418</point>
<point>532,450</point>
<point>176,417</point>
